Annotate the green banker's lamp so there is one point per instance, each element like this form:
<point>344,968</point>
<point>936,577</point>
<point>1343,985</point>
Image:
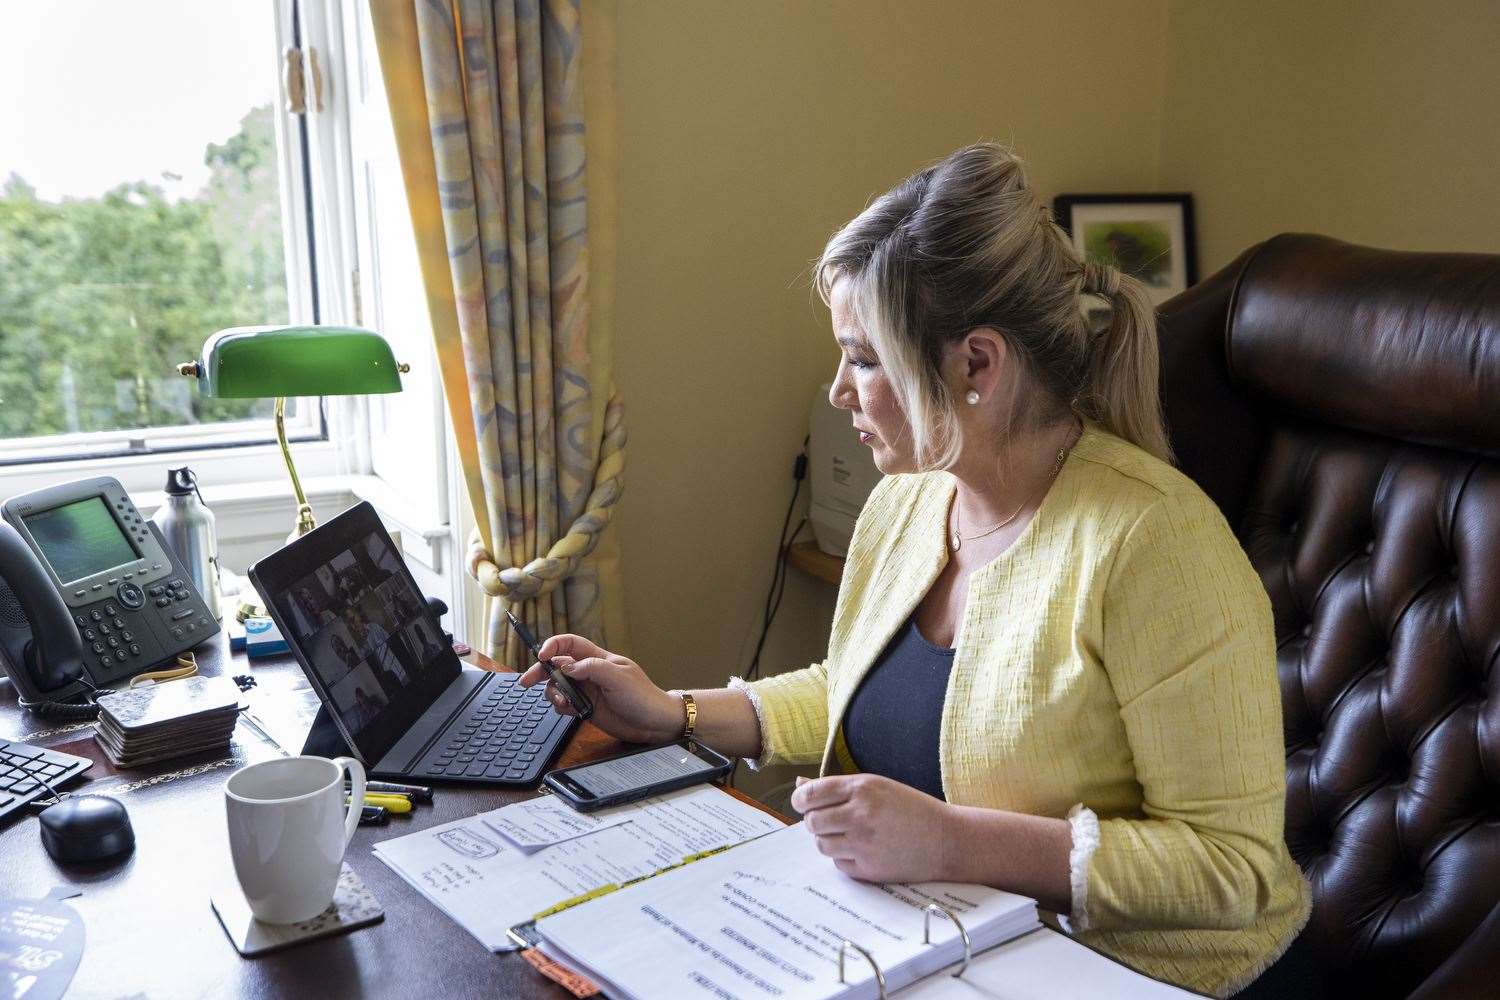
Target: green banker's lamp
<point>257,362</point>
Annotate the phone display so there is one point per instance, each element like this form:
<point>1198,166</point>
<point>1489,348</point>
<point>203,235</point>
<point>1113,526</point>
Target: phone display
<point>80,539</point>
<point>637,774</point>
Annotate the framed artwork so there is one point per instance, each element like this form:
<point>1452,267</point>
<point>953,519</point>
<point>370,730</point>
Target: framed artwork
<point>1147,236</point>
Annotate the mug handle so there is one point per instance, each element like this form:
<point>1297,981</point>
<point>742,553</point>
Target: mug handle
<point>356,794</point>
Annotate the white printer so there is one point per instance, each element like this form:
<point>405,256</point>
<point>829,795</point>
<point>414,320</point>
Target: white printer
<point>843,474</point>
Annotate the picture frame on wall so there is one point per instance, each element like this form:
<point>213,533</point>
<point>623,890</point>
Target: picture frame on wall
<point>1147,236</point>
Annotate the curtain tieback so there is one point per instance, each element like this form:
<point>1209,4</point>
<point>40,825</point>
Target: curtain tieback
<point>544,573</point>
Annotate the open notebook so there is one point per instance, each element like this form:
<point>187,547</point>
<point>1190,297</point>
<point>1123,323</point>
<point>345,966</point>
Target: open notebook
<point>769,919</point>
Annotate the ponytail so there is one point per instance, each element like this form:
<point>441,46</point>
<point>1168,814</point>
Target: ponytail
<point>1121,388</point>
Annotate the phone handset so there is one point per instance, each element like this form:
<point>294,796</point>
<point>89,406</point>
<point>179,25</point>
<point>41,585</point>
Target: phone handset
<point>41,649</point>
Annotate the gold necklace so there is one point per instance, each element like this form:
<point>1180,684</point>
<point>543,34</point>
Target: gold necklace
<point>957,539</point>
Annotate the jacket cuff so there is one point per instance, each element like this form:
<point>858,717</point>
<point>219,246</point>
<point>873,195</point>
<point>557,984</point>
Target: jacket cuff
<point>740,684</point>
<point>1085,842</point>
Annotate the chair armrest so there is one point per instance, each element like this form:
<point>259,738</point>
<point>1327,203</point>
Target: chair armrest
<point>1471,971</point>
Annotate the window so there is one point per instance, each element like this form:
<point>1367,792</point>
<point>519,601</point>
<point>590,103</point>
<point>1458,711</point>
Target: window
<point>152,190</point>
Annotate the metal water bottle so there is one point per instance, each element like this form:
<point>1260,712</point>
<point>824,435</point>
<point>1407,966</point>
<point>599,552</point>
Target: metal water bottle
<point>187,525</point>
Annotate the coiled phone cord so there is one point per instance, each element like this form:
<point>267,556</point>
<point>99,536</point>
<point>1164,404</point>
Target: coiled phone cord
<point>64,711</point>
<point>187,666</point>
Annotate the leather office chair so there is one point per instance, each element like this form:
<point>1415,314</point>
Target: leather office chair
<point>1341,405</point>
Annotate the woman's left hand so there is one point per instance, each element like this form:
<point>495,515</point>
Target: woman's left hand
<point>875,828</point>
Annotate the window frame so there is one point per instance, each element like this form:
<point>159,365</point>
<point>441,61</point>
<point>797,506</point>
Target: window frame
<point>235,450</point>
<point>247,483</point>
<point>306,422</point>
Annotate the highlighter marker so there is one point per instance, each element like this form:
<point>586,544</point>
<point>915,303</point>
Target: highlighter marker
<point>396,804</point>
<point>372,795</point>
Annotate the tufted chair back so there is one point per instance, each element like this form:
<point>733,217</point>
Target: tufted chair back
<point>1341,405</point>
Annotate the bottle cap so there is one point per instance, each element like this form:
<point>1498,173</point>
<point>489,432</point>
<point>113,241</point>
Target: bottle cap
<point>181,482</point>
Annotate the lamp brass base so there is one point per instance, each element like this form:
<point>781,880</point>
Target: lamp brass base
<point>305,523</point>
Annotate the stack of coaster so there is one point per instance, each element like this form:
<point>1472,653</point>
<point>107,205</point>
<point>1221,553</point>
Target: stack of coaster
<point>156,722</point>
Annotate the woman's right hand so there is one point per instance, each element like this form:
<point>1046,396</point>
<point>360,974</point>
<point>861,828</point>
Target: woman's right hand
<point>627,705</point>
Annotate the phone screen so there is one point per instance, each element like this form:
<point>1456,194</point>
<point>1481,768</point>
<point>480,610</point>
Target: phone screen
<point>640,770</point>
<point>80,539</point>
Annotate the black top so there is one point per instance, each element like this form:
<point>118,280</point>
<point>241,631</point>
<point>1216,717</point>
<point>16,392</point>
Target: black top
<point>891,726</point>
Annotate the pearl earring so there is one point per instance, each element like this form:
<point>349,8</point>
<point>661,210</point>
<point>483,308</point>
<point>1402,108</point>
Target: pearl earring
<point>972,398</point>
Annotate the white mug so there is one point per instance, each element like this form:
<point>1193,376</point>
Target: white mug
<point>288,828</point>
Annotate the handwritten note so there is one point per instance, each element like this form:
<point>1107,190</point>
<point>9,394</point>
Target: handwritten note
<point>546,820</point>
<point>488,884</point>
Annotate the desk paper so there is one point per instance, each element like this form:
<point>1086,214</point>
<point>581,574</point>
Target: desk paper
<point>547,820</point>
<point>489,885</point>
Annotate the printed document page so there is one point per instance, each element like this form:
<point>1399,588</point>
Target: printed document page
<point>1029,968</point>
<point>489,885</point>
<point>766,920</point>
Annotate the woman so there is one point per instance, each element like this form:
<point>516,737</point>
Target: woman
<point>1051,667</point>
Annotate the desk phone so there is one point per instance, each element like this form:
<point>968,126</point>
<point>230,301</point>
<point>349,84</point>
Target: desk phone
<point>126,593</point>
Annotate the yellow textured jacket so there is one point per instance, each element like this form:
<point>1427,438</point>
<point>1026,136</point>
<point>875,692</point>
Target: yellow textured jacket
<point>1115,665</point>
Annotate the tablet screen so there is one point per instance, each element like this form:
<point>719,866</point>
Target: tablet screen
<point>366,633</point>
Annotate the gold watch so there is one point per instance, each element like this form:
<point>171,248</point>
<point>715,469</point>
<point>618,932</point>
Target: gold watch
<point>690,709</point>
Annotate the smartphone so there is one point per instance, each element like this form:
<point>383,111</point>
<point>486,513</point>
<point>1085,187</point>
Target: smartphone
<point>637,774</point>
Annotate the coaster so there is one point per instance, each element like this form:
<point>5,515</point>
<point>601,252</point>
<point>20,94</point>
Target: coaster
<point>353,906</point>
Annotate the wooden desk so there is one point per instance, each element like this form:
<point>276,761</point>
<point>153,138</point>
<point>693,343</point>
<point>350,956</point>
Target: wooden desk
<point>149,928</point>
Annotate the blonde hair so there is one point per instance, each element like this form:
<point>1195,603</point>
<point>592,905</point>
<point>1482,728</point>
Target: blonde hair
<point>966,243</point>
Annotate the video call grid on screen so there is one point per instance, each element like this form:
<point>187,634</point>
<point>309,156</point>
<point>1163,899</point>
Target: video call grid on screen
<point>362,628</point>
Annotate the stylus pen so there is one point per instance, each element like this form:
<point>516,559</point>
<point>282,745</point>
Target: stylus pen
<point>581,704</point>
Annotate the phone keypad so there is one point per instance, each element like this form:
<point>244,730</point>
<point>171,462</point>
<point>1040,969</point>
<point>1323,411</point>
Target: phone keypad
<point>119,642</point>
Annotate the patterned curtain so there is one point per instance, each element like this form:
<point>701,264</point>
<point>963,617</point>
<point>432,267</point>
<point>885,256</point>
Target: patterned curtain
<point>487,100</point>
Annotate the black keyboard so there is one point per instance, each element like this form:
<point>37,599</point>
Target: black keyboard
<point>510,735</point>
<point>26,771</point>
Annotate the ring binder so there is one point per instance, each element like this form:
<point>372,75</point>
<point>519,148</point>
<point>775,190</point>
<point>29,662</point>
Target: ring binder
<point>844,946</point>
<point>646,940</point>
<point>963,932</point>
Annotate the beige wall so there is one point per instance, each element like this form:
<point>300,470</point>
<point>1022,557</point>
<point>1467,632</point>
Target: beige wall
<point>727,141</point>
<point>1377,122</point>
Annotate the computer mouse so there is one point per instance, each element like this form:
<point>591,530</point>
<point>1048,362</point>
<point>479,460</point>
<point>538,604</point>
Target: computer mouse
<point>83,829</point>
